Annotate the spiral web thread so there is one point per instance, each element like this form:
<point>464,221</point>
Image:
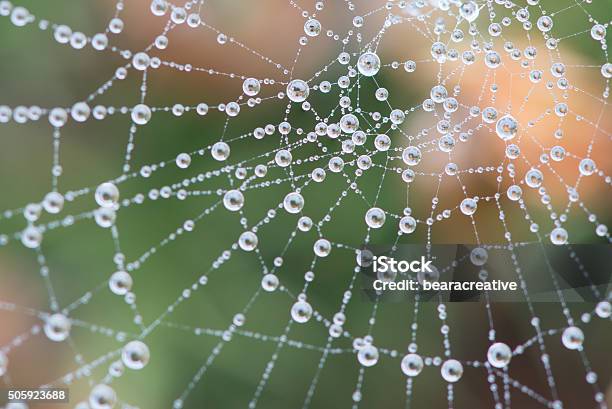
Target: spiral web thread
<point>343,160</point>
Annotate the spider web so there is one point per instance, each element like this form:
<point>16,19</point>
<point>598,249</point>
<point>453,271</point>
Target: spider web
<point>431,122</point>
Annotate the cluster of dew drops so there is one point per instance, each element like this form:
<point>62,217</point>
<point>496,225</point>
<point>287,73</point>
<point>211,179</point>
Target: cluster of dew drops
<point>135,354</point>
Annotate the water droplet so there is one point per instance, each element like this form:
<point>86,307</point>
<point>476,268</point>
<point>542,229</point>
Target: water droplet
<point>469,11</point>
<point>251,87</point>
<point>298,90</point>
<point>102,397</point>
<point>368,355</point>
<point>368,64</point>
<point>301,312</point>
<point>107,195</point>
<point>558,236</point>
<point>375,217</point>
<point>233,200</point>
<point>468,206</point>
<point>293,202</point>
<point>412,364</point>
<point>135,355</point>
<point>141,114</point>
<point>451,370</point>
<point>57,327</point>
<point>572,338</point>
<point>499,355</point>
<point>506,127</point>
<point>120,282</point>
<point>248,241</point>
